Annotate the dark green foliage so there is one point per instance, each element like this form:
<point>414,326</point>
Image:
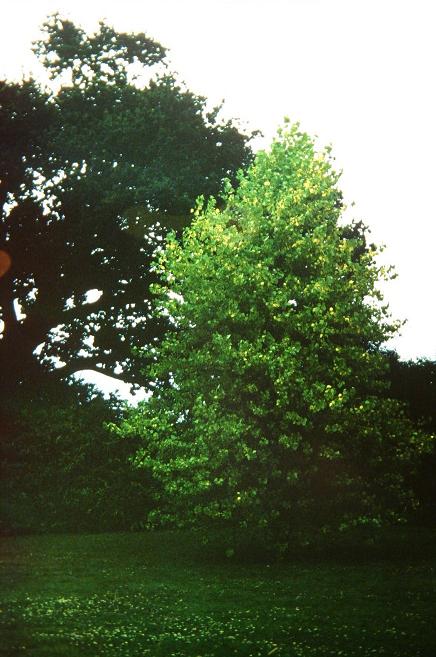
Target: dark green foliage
<point>91,177</point>
<point>87,173</point>
<point>25,116</point>
<point>62,468</point>
<point>104,55</point>
<point>414,383</point>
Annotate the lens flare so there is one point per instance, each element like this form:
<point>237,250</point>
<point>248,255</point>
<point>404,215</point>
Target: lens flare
<point>5,262</point>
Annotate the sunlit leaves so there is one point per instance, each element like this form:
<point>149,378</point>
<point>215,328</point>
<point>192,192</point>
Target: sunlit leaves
<point>269,404</point>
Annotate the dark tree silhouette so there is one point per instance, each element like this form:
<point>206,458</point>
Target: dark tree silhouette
<point>91,177</point>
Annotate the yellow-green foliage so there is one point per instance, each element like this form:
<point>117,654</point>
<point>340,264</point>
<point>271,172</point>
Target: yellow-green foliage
<point>268,404</point>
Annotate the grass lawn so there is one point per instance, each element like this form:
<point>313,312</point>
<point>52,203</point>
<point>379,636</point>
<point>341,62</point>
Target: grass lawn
<point>164,595</point>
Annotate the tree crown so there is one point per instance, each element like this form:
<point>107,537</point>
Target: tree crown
<point>267,405</point>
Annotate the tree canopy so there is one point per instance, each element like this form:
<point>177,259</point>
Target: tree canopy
<point>268,407</point>
<point>92,176</point>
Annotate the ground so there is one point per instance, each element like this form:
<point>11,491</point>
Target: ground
<point>166,595</point>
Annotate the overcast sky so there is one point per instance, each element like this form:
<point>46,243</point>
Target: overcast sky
<point>360,74</point>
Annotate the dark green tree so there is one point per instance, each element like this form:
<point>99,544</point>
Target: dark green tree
<point>92,176</point>
<point>62,469</point>
<point>414,384</point>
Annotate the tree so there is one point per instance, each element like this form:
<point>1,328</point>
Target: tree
<point>414,383</point>
<point>267,404</point>
<point>92,176</point>
<point>62,469</point>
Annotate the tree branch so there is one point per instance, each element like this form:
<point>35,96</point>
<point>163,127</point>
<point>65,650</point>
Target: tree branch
<point>9,316</point>
<point>93,364</point>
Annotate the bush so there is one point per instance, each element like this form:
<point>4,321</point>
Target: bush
<point>63,469</point>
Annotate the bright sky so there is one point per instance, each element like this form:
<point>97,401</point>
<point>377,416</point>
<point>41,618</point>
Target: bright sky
<point>359,74</point>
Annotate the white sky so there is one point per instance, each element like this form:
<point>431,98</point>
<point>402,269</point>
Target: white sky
<point>360,74</point>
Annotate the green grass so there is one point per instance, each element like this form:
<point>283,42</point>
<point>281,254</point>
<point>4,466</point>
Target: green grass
<point>165,595</point>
